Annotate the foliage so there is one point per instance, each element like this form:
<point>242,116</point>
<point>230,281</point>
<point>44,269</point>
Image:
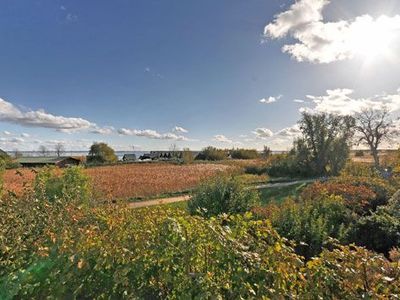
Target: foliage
<point>220,195</point>
<point>244,153</point>
<point>101,153</point>
<point>63,250</point>
<point>324,146</point>
<point>187,156</point>
<point>256,169</point>
<point>359,169</point>
<point>359,153</point>
<point>286,165</point>
<point>266,152</point>
<point>358,198</point>
<point>2,167</point>
<point>311,223</point>
<point>212,153</point>
<point>350,272</point>
<point>383,189</point>
<point>378,231</point>
<point>72,185</point>
<point>279,194</point>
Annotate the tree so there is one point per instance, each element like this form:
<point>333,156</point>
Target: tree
<point>325,143</point>
<point>174,150</point>
<point>59,149</point>
<point>187,156</point>
<point>42,150</point>
<point>374,126</point>
<point>17,153</point>
<point>101,153</point>
<point>266,152</point>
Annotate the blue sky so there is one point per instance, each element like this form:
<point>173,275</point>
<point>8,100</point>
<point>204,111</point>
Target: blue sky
<point>153,73</point>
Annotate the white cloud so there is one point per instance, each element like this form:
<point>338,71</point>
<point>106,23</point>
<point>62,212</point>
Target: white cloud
<point>40,118</point>
<point>298,101</point>
<point>325,42</point>
<point>263,133</point>
<point>292,131</point>
<point>340,101</point>
<point>179,129</point>
<point>25,135</point>
<point>223,139</point>
<point>5,132</point>
<point>152,134</point>
<point>103,130</point>
<point>270,99</point>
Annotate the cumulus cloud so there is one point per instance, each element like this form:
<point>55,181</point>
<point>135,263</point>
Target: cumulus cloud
<point>325,42</point>
<point>292,131</point>
<point>179,129</point>
<point>263,133</point>
<point>222,139</point>
<point>270,99</point>
<point>40,118</point>
<point>25,135</point>
<point>103,130</point>
<point>5,132</point>
<point>152,134</point>
<point>341,101</point>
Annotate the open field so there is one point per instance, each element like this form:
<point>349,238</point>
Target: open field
<point>130,181</point>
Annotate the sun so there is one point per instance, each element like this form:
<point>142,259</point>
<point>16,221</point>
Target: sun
<point>371,40</point>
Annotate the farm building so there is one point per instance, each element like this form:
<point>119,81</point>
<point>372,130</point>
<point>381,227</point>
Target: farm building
<point>129,157</point>
<point>36,161</point>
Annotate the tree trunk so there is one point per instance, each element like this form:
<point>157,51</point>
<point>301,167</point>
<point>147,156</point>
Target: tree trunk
<point>376,158</point>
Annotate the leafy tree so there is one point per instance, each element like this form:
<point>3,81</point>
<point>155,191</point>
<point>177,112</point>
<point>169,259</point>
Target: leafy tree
<point>374,126</point>
<point>101,153</point>
<point>325,143</point>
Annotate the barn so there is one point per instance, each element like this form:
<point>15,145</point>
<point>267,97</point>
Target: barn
<point>36,161</point>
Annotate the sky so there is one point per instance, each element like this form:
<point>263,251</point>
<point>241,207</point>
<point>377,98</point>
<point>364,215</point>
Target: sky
<point>145,75</point>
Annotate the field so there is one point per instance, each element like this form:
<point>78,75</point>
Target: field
<point>130,181</point>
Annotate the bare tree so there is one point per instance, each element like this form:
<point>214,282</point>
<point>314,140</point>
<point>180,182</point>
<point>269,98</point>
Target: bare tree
<point>374,126</point>
<point>42,150</point>
<point>59,149</point>
<point>173,149</point>
<point>17,154</point>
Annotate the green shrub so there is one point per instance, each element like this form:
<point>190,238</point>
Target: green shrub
<point>222,195</point>
<point>359,169</point>
<point>311,223</point>
<point>72,185</point>
<point>359,153</point>
<point>379,231</point>
<point>286,165</point>
<point>255,170</point>
<point>212,153</point>
<point>244,154</point>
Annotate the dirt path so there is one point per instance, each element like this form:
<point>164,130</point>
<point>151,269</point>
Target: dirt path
<point>159,201</point>
<point>187,197</point>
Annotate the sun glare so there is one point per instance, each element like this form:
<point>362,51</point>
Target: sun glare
<point>372,41</point>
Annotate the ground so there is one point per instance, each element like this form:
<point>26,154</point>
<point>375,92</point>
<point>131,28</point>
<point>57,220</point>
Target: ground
<point>131,180</point>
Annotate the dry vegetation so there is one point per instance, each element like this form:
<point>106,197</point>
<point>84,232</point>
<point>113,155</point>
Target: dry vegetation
<point>129,181</point>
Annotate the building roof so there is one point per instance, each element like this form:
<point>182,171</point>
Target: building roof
<point>43,159</point>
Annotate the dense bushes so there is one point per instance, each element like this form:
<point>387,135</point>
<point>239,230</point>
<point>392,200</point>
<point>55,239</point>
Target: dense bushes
<point>51,245</point>
<point>244,153</point>
<point>222,195</point>
<point>310,223</point>
<point>287,165</point>
<point>212,153</point>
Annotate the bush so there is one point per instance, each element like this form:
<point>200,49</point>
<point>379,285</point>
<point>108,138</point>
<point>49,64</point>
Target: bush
<point>244,153</point>
<point>187,156</point>
<point>222,195</point>
<point>256,170</point>
<point>213,154</point>
<point>359,153</point>
<point>311,223</point>
<point>382,188</point>
<point>72,185</point>
<point>358,198</point>
<point>379,232</point>
<point>286,165</point>
<point>359,169</point>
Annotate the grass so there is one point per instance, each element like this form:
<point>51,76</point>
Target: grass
<point>278,194</point>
